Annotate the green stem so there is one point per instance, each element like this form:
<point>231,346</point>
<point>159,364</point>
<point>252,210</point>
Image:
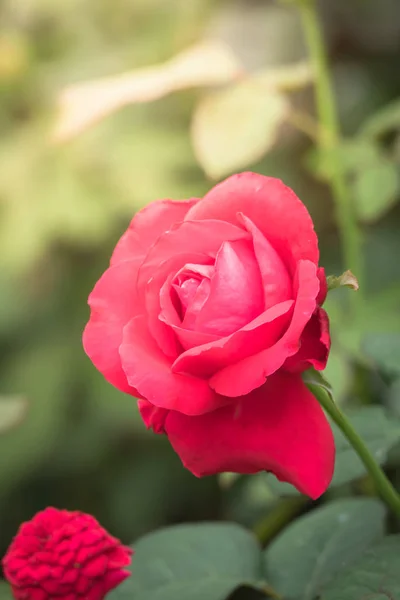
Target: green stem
<point>382,483</point>
<point>278,517</point>
<point>329,139</point>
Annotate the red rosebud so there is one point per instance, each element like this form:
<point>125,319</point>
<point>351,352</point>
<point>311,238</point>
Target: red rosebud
<point>64,554</point>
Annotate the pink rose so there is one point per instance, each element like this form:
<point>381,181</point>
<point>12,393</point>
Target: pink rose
<point>209,312</point>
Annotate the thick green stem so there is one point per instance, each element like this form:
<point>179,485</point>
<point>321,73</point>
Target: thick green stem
<point>382,483</point>
<point>329,139</point>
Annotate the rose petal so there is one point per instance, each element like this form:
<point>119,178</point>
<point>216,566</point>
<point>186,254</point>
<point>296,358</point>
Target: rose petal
<point>275,277</point>
<point>315,345</point>
<point>149,371</point>
<point>262,332</point>
<point>154,294</point>
<point>194,237</point>
<point>112,303</point>
<point>191,339</point>
<point>236,295</point>
<point>187,242</point>
<point>323,289</point>
<point>170,317</point>
<point>147,225</point>
<point>153,417</point>
<point>247,374</point>
<point>188,280</point>
<point>273,207</point>
<point>279,427</point>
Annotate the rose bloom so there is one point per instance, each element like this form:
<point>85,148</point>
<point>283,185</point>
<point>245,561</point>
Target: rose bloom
<point>209,312</point>
<point>64,555</point>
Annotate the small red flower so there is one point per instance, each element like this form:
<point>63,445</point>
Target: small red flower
<point>64,554</point>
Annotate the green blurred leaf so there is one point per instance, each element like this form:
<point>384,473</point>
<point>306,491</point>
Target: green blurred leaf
<point>338,372</point>
<point>192,562</point>
<point>384,349</point>
<point>379,432</point>
<point>394,398</point>
<point>235,127</point>
<point>285,78</point>
<point>43,373</point>
<point>355,155</point>
<point>384,120</point>
<point>207,63</point>
<point>376,190</point>
<point>375,576</point>
<point>313,549</point>
<point>5,591</point>
<point>378,315</point>
<point>12,411</point>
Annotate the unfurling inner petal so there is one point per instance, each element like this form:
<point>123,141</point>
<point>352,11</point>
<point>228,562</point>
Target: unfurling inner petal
<point>236,295</point>
<point>189,291</point>
<point>274,274</point>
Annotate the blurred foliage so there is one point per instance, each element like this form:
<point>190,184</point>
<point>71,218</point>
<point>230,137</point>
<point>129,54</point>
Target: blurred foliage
<point>80,443</point>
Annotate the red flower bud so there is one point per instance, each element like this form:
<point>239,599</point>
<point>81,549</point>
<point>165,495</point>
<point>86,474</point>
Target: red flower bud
<point>64,554</point>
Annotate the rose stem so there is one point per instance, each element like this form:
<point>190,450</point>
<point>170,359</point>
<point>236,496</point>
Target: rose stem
<point>271,524</point>
<point>329,139</point>
<point>383,485</point>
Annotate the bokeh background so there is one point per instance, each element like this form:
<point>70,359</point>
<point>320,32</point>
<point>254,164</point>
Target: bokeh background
<point>67,438</point>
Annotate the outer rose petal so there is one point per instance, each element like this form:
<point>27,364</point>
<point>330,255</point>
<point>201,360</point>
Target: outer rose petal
<point>315,345</point>
<point>244,376</point>
<point>147,225</point>
<point>149,371</point>
<point>152,416</point>
<point>112,304</point>
<point>323,286</point>
<point>272,206</point>
<point>279,427</point>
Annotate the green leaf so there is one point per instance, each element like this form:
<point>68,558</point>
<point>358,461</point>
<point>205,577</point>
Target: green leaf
<point>235,127</point>
<point>313,549</point>
<point>376,576</point>
<point>12,411</point>
<point>192,562</point>
<point>379,314</point>
<point>384,349</point>
<point>43,373</point>
<point>383,121</point>
<point>376,190</point>
<point>347,279</point>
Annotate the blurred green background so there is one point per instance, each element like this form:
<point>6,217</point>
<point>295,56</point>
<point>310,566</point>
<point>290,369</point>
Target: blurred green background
<point>69,439</point>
